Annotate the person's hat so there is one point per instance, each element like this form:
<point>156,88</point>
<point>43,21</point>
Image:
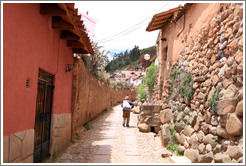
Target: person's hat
<point>126,98</point>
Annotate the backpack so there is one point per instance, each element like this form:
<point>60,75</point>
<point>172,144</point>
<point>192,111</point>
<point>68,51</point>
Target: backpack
<point>126,105</point>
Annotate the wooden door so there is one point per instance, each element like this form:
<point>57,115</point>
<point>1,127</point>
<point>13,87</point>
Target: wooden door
<point>43,116</point>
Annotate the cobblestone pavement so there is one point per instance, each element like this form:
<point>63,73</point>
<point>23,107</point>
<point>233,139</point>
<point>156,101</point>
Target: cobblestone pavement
<point>109,142</point>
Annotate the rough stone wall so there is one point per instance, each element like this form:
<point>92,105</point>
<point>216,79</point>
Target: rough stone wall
<point>215,61</point>
<point>197,17</point>
<point>91,96</point>
<point>18,147</point>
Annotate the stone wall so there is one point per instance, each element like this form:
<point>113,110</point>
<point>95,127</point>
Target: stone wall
<point>209,130</point>
<point>18,147</point>
<point>91,96</point>
<point>60,134</point>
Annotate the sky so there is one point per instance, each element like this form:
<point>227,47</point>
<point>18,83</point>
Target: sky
<point>130,17</point>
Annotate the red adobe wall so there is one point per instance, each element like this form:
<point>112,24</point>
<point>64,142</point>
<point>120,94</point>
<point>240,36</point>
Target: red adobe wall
<point>29,43</point>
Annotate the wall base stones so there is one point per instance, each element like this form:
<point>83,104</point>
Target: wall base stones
<point>60,135</point>
<point>149,118</point>
<point>18,147</point>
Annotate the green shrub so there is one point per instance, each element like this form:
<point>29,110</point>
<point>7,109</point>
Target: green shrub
<point>212,101</point>
<point>186,87</point>
<point>173,76</point>
<point>150,76</point>
<point>174,146</point>
<point>142,92</point>
<point>87,126</point>
<point>78,136</point>
<point>143,80</point>
<point>174,73</point>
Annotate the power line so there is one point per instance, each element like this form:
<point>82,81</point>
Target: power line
<point>125,32</point>
<point>108,38</point>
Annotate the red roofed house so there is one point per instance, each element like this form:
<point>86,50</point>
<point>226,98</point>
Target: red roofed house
<point>39,41</point>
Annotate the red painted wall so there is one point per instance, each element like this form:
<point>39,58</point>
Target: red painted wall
<point>29,43</point>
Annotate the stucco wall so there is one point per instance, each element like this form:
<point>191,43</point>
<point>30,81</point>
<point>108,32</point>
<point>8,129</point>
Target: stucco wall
<point>29,43</point>
<point>91,96</point>
<point>196,18</point>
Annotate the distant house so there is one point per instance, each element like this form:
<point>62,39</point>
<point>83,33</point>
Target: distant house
<point>39,42</point>
<point>134,76</point>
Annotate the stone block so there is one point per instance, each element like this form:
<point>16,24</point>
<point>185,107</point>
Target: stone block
<point>28,143</point>
<point>143,127</point>
<point>192,155</point>
<point>14,148</point>
<point>207,158</point>
<point>222,132</point>
<point>201,148</point>
<point>166,116</point>
<point>5,149</point>
<point>188,130</point>
<point>166,137</point>
<point>222,104</point>
<point>234,126</point>
<point>29,159</point>
<point>210,139</point>
<point>239,109</point>
<point>218,157</point>
<point>20,135</point>
<point>235,152</point>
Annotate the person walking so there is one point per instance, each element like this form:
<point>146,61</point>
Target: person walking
<point>127,105</point>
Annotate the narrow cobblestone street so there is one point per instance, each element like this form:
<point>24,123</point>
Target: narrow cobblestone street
<point>109,142</point>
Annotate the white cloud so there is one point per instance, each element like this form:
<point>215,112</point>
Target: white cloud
<point>116,16</point>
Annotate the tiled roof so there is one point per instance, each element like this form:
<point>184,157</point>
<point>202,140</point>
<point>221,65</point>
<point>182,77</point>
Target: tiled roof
<point>162,19</point>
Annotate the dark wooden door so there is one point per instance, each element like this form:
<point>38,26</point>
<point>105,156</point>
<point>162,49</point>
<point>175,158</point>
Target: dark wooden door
<point>43,116</point>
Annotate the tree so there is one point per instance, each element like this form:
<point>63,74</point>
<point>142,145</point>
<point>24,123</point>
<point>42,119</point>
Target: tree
<point>97,61</point>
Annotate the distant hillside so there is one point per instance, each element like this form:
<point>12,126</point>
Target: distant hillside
<point>130,58</point>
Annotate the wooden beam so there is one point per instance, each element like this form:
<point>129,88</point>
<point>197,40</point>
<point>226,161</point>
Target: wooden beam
<point>153,29</point>
<point>51,9</point>
<point>70,5</point>
<point>164,16</point>
<point>77,17</point>
<point>159,22</point>
<point>74,44</point>
<point>79,22</point>
<point>81,27</point>
<point>65,34</point>
<point>59,23</point>
<point>75,11</point>
<point>80,51</point>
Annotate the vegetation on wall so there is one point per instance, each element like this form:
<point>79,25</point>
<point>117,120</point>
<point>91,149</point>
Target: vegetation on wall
<point>173,77</point>
<point>212,101</point>
<point>147,81</point>
<point>96,66</point>
<point>150,76</point>
<point>186,87</point>
<point>184,84</point>
<point>96,62</point>
<point>174,146</point>
<point>142,92</point>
